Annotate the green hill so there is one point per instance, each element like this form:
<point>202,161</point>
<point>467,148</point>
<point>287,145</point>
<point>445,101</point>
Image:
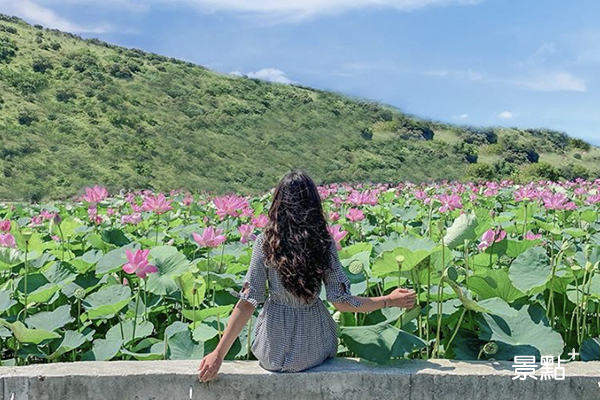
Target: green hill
<point>75,112</point>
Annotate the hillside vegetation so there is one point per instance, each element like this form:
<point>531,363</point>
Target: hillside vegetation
<point>76,112</point>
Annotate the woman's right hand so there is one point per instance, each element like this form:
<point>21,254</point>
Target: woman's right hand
<point>400,297</point>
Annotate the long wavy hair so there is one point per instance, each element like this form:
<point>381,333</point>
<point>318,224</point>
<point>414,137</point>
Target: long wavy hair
<point>296,239</point>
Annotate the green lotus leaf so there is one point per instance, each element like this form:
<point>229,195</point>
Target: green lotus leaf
<point>494,283</point>
<point>107,301</point>
<point>71,341</point>
<point>171,264</point>
<point>530,271</point>
<point>142,329</point>
<point>103,350</point>
<point>590,350</point>
<point>27,335</point>
<point>380,342</point>
<point>51,320</point>
<point>5,301</point>
<point>207,312</point>
<point>462,228</point>
<point>525,334</point>
<point>181,347</point>
<point>193,288</point>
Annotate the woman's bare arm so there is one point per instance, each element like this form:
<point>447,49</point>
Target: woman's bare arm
<point>210,364</point>
<point>400,297</point>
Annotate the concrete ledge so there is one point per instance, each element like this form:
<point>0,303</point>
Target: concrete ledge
<point>339,378</point>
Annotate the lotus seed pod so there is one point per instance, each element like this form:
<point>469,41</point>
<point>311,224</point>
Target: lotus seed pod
<point>27,234</point>
<point>355,267</point>
<point>490,348</point>
<point>79,293</point>
<point>399,260</point>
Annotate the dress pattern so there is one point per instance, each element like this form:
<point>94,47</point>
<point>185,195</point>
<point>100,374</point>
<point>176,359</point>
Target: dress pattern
<point>290,334</point>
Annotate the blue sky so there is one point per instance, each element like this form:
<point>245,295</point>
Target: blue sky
<point>524,63</point>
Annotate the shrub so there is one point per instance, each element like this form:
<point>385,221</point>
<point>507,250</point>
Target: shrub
<point>480,171</point>
<point>42,64</point>
<point>579,144</point>
<point>27,118</point>
<point>8,50</point>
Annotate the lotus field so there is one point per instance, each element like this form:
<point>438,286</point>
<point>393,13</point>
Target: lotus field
<point>500,270</point>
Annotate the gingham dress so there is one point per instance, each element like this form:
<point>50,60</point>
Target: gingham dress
<point>291,335</point>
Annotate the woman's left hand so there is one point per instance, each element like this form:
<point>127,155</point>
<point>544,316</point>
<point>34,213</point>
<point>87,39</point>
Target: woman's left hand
<point>209,366</point>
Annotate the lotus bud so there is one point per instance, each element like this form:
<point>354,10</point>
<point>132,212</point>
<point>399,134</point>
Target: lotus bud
<point>57,219</point>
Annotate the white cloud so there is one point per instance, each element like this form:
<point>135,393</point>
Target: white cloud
<point>236,73</point>
<point>553,82</point>
<point>505,115</point>
<point>463,116</point>
<point>270,74</point>
<point>37,14</point>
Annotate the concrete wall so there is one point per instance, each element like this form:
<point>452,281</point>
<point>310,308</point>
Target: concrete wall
<point>340,378</point>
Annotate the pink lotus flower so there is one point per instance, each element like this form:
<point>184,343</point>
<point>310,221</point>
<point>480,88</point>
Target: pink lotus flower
<point>247,233</point>
<point>95,194</point>
<point>157,203</point>
<point>247,212</point>
<point>125,281</point>
<point>531,236</point>
<point>334,216</point>
<point>337,234</point>
<point>450,202</point>
<point>36,220</point>
<point>210,237</point>
<point>229,205</point>
<point>7,240</point>
<point>490,236</point>
<point>354,214</point>
<point>110,211</point>
<point>47,215</point>
<point>593,199</point>
<point>132,219</point>
<point>261,221</point>
<point>93,215</point>
<point>556,201</point>
<point>5,225</point>
<point>138,263</point>
<point>188,200</point>
<point>56,238</point>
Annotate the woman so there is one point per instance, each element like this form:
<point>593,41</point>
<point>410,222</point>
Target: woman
<point>294,330</point>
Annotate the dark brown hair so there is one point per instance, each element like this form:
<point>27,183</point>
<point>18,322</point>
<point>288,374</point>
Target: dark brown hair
<point>296,241</point>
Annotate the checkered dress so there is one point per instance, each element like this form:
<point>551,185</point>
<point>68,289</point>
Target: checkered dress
<point>291,335</point>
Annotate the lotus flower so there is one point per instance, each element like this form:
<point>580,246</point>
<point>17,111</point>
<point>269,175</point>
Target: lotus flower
<point>354,214</point>
<point>450,202</point>
<point>490,236</point>
<point>95,194</point>
<point>337,234</point>
<point>531,236</point>
<point>261,221</point>
<point>138,263</point>
<point>132,219</point>
<point>334,216</point>
<point>157,203</point>
<point>7,240</point>
<point>210,237</point>
<point>229,205</point>
<point>5,225</point>
<point>247,233</point>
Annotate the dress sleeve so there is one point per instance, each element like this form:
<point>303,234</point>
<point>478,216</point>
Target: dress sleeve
<point>254,284</point>
<point>337,283</point>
